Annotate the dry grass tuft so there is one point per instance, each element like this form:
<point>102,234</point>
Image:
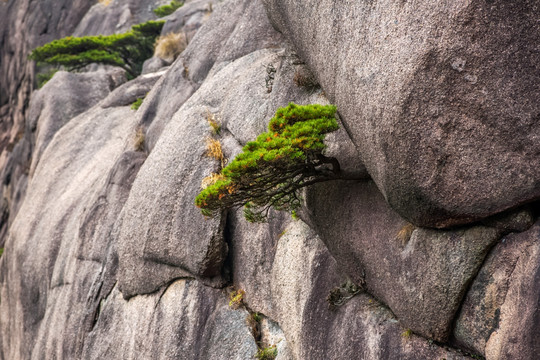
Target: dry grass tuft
<point>139,140</point>
<point>169,46</point>
<point>211,179</point>
<point>213,122</point>
<point>105,2</point>
<point>213,149</point>
<point>405,233</point>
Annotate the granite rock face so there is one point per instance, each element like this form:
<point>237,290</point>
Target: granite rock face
<point>107,256</point>
<point>499,317</point>
<point>421,274</point>
<point>442,102</point>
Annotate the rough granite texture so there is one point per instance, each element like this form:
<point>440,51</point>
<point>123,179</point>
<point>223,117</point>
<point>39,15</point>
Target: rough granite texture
<point>109,258</point>
<point>441,101</point>
<point>421,275</point>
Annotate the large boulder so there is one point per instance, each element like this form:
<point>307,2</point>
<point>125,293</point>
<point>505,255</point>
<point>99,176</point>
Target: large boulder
<point>441,101</point>
<point>421,274</point>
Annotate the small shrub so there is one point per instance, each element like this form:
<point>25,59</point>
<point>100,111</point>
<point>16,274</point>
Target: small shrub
<point>407,333</point>
<point>137,104</point>
<point>253,321</point>
<point>268,353</point>
<point>341,294</point>
<point>105,2</point>
<point>169,46</point>
<point>168,9</point>
<point>236,298</point>
<point>213,122</point>
<point>139,139</point>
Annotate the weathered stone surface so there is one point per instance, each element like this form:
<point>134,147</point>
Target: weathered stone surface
<point>499,317</point>
<point>159,223</point>
<point>132,90</point>
<point>440,101</point>
<point>115,16</point>
<point>25,25</point>
<point>154,64</point>
<point>303,273</point>
<point>422,278</point>
<point>65,96</point>
<point>46,283</point>
<point>189,18</point>
<point>186,320</point>
<point>224,37</point>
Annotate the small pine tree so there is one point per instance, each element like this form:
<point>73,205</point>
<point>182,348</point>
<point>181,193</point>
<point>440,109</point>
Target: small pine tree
<point>270,170</point>
<point>128,50</point>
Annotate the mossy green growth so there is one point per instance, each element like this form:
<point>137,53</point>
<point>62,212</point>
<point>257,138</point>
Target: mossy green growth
<point>127,50</point>
<point>1,251</point>
<point>270,170</point>
<point>137,104</point>
<point>168,9</point>
<point>268,353</point>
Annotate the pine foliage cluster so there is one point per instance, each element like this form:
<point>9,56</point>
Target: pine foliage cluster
<point>127,50</point>
<point>270,170</point>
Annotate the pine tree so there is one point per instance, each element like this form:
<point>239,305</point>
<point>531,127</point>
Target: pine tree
<point>128,50</point>
<point>272,169</point>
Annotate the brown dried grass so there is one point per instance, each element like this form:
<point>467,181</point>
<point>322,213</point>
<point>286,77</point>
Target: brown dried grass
<point>138,143</point>
<point>169,46</point>
<point>405,233</point>
<point>211,179</point>
<point>213,150</point>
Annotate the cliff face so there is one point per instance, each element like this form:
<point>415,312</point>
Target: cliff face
<point>107,257</point>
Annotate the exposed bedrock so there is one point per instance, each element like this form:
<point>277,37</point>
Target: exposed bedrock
<point>109,258</point>
<point>441,101</point>
<point>421,274</point>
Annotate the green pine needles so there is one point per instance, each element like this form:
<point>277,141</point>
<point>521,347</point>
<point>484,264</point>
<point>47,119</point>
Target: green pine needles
<point>168,9</point>
<point>128,50</point>
<point>270,170</point>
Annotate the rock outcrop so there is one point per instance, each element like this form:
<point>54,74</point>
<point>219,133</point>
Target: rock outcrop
<point>442,102</point>
<point>106,255</point>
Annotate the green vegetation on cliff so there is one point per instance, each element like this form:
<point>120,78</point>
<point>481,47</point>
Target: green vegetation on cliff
<point>270,170</point>
<point>127,50</point>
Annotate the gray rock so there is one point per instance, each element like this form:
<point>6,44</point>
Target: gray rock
<point>499,317</point>
<point>25,25</point>
<point>115,17</point>
<point>421,276</point>
<point>183,321</point>
<point>132,90</point>
<point>189,18</point>
<point>303,274</point>
<point>159,223</point>
<point>440,101</point>
<point>45,300</point>
<point>154,64</point>
<point>65,96</point>
<point>224,37</point>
